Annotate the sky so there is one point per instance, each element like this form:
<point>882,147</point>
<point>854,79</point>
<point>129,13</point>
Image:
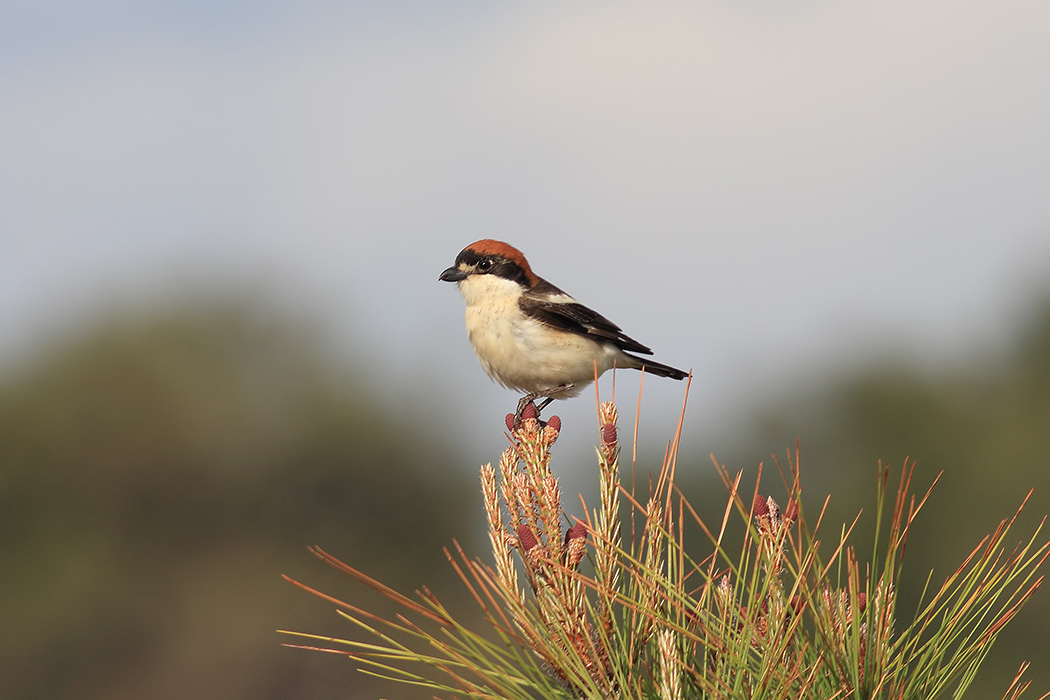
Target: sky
<point>761,192</point>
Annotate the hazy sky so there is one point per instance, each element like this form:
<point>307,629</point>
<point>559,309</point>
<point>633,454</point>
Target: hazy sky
<point>753,189</point>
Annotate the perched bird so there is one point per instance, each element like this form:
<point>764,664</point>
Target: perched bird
<point>533,337</point>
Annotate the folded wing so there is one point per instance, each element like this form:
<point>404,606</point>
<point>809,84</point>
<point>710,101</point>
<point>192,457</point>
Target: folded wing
<point>548,304</point>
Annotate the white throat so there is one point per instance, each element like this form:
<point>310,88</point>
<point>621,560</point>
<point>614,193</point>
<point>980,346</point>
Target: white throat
<point>489,290</point>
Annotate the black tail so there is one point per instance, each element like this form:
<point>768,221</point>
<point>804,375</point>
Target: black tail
<point>660,370</point>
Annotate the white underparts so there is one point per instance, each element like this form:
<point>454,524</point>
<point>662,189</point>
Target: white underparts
<point>525,354</point>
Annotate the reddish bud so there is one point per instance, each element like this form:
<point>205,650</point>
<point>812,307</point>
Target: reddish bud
<point>862,601</point>
<point>526,538</point>
<point>761,508</point>
<point>510,422</point>
<point>791,512</point>
<point>575,545</point>
<point>529,411</point>
<point>554,423</point>
<point>796,604</point>
<point>575,532</point>
<point>609,434</point>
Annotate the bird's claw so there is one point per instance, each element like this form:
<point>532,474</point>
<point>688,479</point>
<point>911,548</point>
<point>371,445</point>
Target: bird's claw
<point>527,407</point>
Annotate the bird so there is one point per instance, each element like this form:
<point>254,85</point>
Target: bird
<point>531,336</point>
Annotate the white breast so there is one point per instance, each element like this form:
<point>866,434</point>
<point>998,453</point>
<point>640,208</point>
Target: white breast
<point>521,353</point>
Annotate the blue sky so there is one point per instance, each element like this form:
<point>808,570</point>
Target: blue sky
<point>757,192</point>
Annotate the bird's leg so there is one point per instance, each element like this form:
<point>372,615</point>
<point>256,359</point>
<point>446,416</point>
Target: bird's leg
<point>543,404</point>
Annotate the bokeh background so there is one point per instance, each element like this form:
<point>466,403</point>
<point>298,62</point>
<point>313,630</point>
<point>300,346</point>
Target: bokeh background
<point>222,337</point>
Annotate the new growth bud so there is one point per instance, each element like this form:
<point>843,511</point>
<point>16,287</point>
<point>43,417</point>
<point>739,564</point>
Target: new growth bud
<point>527,538</point>
<point>575,544</point>
<point>761,509</point>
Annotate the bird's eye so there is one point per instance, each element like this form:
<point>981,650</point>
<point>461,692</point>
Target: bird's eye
<point>485,265</point>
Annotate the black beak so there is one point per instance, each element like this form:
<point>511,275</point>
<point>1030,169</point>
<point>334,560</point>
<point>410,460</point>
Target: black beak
<point>452,274</point>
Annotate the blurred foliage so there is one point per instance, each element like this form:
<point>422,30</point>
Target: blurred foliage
<point>985,425</point>
<point>158,474</point>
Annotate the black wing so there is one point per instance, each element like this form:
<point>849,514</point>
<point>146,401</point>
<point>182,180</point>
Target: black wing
<point>574,317</point>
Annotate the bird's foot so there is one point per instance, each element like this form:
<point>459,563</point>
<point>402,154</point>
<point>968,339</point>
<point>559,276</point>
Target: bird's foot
<point>529,400</point>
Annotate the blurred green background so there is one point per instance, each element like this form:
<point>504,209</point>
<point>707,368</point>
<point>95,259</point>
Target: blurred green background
<point>161,470</point>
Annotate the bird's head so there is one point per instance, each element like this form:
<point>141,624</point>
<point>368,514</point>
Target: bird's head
<point>499,262</point>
